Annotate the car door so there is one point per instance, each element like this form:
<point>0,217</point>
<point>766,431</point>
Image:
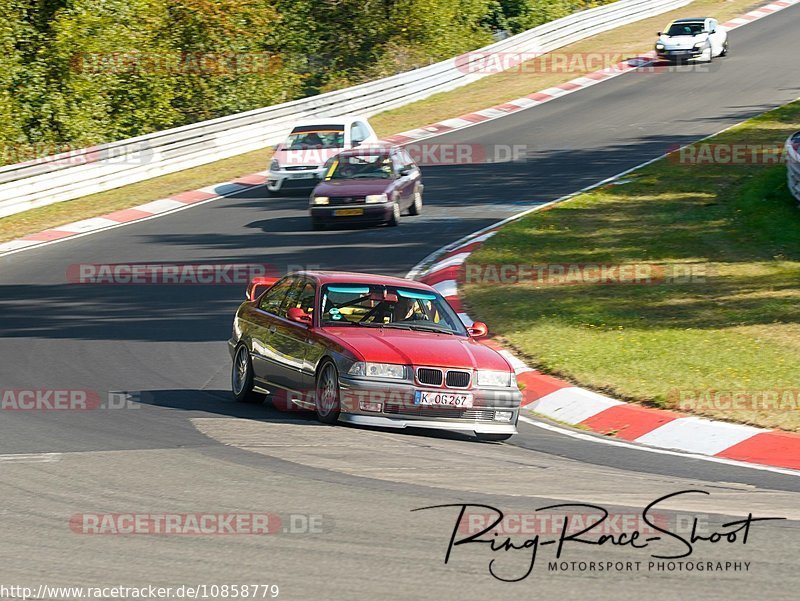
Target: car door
<point>263,345</point>
<point>717,37</point>
<point>291,339</point>
<point>412,176</point>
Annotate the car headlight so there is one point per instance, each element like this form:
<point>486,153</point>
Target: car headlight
<point>274,165</point>
<point>659,46</point>
<point>378,370</point>
<point>321,200</point>
<point>375,198</point>
<point>496,379</point>
<point>699,45</point>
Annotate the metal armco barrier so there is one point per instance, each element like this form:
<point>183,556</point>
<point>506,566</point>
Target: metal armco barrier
<point>792,152</point>
<point>72,175</point>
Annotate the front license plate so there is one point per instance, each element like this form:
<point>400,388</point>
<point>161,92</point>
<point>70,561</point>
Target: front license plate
<point>442,399</point>
<point>302,175</point>
<point>347,212</point>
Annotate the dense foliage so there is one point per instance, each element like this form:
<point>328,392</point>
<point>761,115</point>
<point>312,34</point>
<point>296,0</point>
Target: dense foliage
<point>81,72</point>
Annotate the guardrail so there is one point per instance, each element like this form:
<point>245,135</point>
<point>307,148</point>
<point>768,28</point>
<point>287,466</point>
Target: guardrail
<point>792,153</point>
<point>72,175</point>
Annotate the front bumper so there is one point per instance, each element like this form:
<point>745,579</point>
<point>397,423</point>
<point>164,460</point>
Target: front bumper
<point>294,180</point>
<point>364,213</point>
<point>681,54</point>
<point>397,408</point>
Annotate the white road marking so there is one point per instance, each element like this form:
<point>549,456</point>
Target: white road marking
<point>627,445</point>
<point>30,458</point>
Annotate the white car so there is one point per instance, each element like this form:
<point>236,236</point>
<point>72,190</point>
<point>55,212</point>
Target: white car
<point>298,162</point>
<point>690,38</point>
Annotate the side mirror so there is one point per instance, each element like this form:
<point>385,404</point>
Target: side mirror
<point>660,33</point>
<point>405,172</point>
<point>713,31</point>
<point>356,143</point>
<point>298,315</point>
<point>258,285</point>
<point>478,329</point>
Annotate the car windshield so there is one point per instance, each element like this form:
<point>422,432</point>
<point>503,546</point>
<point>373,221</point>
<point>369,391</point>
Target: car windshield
<point>685,29</point>
<point>303,138</point>
<point>389,307</point>
<point>360,166</point>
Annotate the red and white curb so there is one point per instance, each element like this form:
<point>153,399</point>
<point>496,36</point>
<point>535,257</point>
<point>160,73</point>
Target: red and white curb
<point>184,200</point>
<point>155,208</point>
<point>565,402</point>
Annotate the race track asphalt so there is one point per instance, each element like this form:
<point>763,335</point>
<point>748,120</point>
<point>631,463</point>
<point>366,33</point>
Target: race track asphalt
<point>189,448</point>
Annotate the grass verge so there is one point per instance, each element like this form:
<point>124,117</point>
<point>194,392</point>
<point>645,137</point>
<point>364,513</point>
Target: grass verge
<point>614,45</point>
<point>721,338</point>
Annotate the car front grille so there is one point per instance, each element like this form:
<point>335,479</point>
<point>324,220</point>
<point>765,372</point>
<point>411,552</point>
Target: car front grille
<point>299,167</point>
<point>457,379</point>
<point>429,376</point>
<point>347,200</point>
<point>433,376</point>
<point>449,412</point>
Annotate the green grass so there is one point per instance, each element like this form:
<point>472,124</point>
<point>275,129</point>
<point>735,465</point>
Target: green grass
<point>623,41</point>
<point>738,328</point>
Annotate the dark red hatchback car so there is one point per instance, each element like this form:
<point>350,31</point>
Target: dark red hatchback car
<point>368,184</point>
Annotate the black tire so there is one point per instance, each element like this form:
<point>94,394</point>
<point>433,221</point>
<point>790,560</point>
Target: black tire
<point>326,397</point>
<point>725,49</point>
<point>416,205</point>
<point>269,193</point>
<point>317,225</point>
<point>493,437</point>
<point>394,220</point>
<point>242,377</point>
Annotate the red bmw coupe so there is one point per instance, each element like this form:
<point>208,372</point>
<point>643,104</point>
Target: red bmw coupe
<point>371,350</point>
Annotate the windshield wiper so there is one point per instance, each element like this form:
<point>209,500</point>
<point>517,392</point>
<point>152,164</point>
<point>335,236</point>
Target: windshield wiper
<point>419,327</point>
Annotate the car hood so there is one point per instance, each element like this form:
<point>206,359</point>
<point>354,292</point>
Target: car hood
<point>388,345</point>
<point>310,157</point>
<point>352,187</point>
<point>682,41</point>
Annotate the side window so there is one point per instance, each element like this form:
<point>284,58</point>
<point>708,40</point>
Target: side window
<point>306,302</point>
<point>272,299</point>
<point>355,134</point>
<point>301,295</point>
<point>358,133</point>
<point>397,163</point>
<point>408,162</point>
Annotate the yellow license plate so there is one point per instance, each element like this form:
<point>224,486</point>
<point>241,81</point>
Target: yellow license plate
<point>347,212</point>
